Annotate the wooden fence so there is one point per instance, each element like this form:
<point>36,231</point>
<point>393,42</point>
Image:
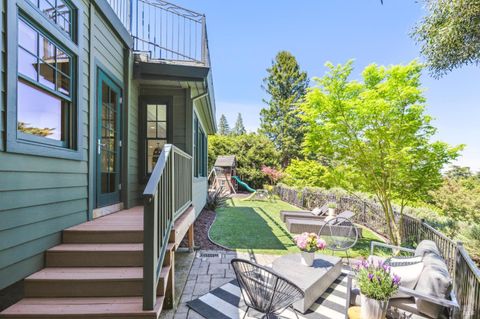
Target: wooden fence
<point>464,272</point>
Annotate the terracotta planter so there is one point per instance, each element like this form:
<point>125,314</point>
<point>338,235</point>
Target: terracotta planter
<point>373,309</point>
<point>307,258</point>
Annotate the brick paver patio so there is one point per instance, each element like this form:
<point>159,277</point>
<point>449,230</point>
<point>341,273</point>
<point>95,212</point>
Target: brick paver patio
<point>208,273</point>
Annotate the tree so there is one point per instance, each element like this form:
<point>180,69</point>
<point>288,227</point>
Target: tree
<point>459,199</point>
<point>44,132</point>
<point>449,36</point>
<point>286,85</point>
<point>306,173</point>
<point>252,151</point>
<point>377,129</point>
<point>459,172</point>
<point>223,127</point>
<point>239,129</point>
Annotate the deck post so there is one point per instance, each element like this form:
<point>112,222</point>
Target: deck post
<point>191,240</point>
<point>150,243</point>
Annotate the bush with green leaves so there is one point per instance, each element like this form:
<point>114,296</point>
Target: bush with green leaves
<point>253,151</point>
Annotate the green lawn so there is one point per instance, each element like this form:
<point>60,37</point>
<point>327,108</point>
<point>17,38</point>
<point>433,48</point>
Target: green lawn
<point>256,226</point>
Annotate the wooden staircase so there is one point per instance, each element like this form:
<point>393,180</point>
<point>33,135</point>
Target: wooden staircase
<point>97,272</point>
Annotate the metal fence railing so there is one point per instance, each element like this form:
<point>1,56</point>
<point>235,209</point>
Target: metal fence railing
<point>164,30</point>
<point>464,272</point>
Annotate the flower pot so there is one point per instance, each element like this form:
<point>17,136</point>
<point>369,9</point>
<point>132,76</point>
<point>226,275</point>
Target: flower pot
<point>331,212</point>
<point>307,258</point>
<point>373,309</point>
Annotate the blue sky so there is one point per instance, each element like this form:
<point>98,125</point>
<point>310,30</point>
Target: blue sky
<point>245,36</point>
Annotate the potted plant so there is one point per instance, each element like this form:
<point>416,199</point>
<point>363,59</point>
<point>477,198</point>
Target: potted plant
<point>309,243</point>
<point>332,206</point>
<point>377,285</point>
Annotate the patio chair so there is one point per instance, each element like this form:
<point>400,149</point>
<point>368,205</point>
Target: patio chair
<point>432,295</point>
<point>340,234</point>
<point>316,213</point>
<point>264,290</point>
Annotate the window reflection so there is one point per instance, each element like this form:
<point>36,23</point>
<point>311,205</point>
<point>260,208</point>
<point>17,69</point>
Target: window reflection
<point>156,129</point>
<point>58,11</point>
<point>43,73</point>
<point>50,66</point>
<point>39,113</point>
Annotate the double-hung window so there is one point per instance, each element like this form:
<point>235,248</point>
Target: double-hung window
<point>45,117</point>
<point>200,150</point>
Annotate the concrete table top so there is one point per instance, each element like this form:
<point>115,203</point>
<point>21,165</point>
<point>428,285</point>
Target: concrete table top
<point>314,280</point>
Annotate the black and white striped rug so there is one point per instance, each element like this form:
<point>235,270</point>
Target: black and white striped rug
<point>226,302</point>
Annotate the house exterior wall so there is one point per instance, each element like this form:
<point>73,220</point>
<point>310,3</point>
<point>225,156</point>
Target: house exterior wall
<point>40,195</point>
<point>200,183</point>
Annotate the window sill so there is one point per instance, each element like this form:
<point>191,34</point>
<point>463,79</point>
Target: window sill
<point>45,150</point>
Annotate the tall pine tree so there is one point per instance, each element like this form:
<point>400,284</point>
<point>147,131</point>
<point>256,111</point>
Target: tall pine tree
<point>286,85</point>
<point>223,127</point>
<point>239,129</point>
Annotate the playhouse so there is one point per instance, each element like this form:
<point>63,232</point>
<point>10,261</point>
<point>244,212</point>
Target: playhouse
<point>221,176</point>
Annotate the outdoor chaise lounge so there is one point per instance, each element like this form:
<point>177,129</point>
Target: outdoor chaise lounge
<point>427,294</point>
<point>316,213</point>
<point>301,225</point>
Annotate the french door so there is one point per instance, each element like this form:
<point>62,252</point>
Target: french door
<point>108,141</point>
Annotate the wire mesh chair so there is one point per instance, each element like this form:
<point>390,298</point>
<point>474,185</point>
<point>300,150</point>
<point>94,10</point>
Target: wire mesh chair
<point>264,290</point>
<point>340,234</point>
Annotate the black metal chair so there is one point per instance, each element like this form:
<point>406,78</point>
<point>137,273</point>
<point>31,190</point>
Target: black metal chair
<point>264,290</point>
<point>340,234</point>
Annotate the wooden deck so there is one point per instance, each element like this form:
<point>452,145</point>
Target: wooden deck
<point>97,272</point>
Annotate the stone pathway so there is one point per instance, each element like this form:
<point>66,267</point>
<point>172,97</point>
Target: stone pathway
<point>210,269</point>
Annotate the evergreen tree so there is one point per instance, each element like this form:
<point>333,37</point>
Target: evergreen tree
<point>239,129</point>
<point>223,127</point>
<point>286,85</point>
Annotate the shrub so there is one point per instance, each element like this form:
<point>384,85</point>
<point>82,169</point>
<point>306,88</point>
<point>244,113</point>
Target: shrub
<point>215,199</point>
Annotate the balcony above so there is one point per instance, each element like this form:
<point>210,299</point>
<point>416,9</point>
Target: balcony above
<point>165,32</point>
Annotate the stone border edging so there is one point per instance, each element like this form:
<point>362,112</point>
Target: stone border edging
<point>210,238</point>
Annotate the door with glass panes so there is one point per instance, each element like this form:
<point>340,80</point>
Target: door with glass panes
<point>156,128</point>
<point>108,141</point>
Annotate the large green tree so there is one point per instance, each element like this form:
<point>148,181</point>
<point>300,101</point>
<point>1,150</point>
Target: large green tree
<point>239,128</point>
<point>286,86</point>
<point>223,127</point>
<point>377,130</point>
<point>449,35</point>
<point>459,196</point>
<point>252,151</point>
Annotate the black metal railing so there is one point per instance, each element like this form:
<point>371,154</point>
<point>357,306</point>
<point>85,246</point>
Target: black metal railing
<point>464,272</point>
<point>167,194</point>
<point>164,30</point>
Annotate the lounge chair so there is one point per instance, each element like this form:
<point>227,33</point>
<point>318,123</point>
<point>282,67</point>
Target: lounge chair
<point>322,212</point>
<point>313,225</point>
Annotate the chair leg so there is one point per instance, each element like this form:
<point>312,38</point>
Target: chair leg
<point>246,312</point>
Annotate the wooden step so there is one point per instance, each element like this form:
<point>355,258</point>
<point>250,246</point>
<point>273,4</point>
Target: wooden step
<point>104,235</point>
<point>97,308</point>
<point>95,255</point>
<point>85,282</point>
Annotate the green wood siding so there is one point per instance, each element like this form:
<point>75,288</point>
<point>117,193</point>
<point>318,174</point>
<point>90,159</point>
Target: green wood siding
<point>134,189</point>
<point>41,196</point>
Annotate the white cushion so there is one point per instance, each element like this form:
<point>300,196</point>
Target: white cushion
<point>407,268</point>
<point>317,211</point>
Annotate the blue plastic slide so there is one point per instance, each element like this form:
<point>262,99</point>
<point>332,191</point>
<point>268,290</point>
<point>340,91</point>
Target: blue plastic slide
<point>243,184</point>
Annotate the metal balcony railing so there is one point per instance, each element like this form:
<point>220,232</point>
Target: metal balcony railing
<point>164,30</point>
